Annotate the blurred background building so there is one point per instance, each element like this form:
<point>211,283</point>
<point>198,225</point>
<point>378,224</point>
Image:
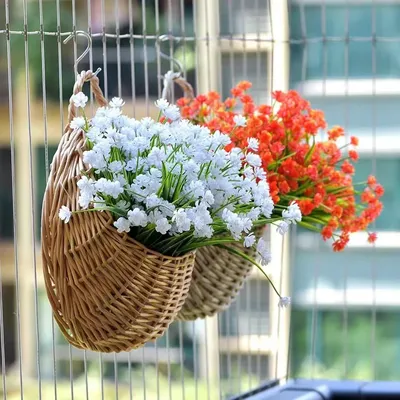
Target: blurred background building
<point>344,56</point>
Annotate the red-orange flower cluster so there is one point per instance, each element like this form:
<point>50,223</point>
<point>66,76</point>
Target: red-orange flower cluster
<point>317,174</point>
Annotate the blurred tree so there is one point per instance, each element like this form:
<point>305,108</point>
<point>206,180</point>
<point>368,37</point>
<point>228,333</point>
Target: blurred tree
<point>51,53</point>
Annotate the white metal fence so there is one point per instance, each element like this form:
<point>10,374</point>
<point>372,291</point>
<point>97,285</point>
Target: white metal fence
<point>343,55</point>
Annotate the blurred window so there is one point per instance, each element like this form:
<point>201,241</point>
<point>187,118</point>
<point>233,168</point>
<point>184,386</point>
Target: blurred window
<point>336,41</point>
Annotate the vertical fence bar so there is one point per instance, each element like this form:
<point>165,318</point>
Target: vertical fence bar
<point>105,77</point>
<point>118,42</point>
<point>119,84</point>
<point>229,311</point>
<point>292,249</point>
<point>168,365</point>
<point>47,166</point>
<point>168,4</point>
<point>258,281</point>
<point>116,376</point>
<point>104,38</point>
<point>85,367</point>
<point>159,89</point>
<point>32,198</point>
<point>71,372</point>
<point>3,348</point>
<point>132,59</point>
<point>374,171</point>
<point>180,323</point>
<point>279,248</point>
<point>59,59</point>
<point>101,376</point>
<point>75,47</point>
<point>146,89</point>
<point>61,104</point>
<point>90,32</point>
<point>89,15</point>
<point>181,357</point>
<point>14,197</point>
<point>209,86</point>
<point>346,123</point>
<point>132,72</point>
<point>194,333</point>
<point>195,361</point>
<point>207,362</point>
<point>198,79</point>
<point>246,288</point>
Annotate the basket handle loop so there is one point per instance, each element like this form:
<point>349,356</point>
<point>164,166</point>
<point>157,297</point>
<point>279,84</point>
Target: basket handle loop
<point>83,77</point>
<point>175,77</point>
<point>187,88</point>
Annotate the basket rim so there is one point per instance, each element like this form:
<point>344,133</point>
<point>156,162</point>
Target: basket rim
<point>154,252</point>
<point>127,238</point>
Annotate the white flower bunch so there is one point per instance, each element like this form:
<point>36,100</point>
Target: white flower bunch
<point>173,185</point>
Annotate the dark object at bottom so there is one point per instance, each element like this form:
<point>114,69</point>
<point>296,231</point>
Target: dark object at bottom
<point>304,389</point>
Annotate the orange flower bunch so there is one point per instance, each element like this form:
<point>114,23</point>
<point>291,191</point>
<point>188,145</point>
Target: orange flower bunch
<point>315,174</point>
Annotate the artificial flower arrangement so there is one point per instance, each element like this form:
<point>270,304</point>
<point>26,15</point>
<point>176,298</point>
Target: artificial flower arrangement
<point>316,174</point>
<point>172,185</point>
<point>127,204</point>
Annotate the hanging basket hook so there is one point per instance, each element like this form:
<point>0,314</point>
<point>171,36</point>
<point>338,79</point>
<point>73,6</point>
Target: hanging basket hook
<point>86,51</point>
<point>164,38</point>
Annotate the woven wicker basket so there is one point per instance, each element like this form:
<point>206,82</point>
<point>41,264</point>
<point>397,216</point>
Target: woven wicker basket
<point>108,292</point>
<point>218,276</point>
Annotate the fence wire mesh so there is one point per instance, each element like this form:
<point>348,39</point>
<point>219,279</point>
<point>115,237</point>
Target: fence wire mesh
<point>342,55</point>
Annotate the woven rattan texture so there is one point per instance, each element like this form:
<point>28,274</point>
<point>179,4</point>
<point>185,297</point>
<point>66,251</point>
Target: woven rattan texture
<point>108,292</point>
<point>218,276</point>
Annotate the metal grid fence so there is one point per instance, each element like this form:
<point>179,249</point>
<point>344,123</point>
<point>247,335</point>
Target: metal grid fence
<point>218,43</point>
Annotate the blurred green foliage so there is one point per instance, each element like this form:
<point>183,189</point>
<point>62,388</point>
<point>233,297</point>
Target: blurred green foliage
<point>52,55</point>
<point>356,344</point>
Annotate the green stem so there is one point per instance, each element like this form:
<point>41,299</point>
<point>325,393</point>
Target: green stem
<point>252,261</point>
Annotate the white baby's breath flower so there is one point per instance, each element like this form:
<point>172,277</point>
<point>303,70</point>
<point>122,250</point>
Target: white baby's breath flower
<point>293,213</point>
<point>282,227</point>
<point>162,104</point>
<point>79,100</point>
<point>284,302</point>
<point>172,112</point>
<point>208,197</point>
<point>77,123</point>
<point>113,113</point>
<point>260,173</point>
<point>253,159</point>
<point>156,156</point>
<point>65,214</point>
<point>239,120</point>
<point>137,217</point>
<point>263,251</point>
<point>249,240</point>
<point>85,200</point>
<point>86,185</point>
<point>117,102</point>
<point>122,225</point>
<point>181,220</point>
<point>163,226</point>
<point>116,166</point>
<point>252,144</point>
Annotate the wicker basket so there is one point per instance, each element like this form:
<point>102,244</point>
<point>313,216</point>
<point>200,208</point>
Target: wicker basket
<point>218,276</point>
<point>108,292</point>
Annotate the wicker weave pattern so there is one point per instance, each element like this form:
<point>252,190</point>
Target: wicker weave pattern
<point>108,292</point>
<point>217,278</point>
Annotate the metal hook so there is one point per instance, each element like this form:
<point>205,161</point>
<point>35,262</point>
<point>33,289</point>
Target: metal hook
<point>89,38</point>
<point>164,38</point>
